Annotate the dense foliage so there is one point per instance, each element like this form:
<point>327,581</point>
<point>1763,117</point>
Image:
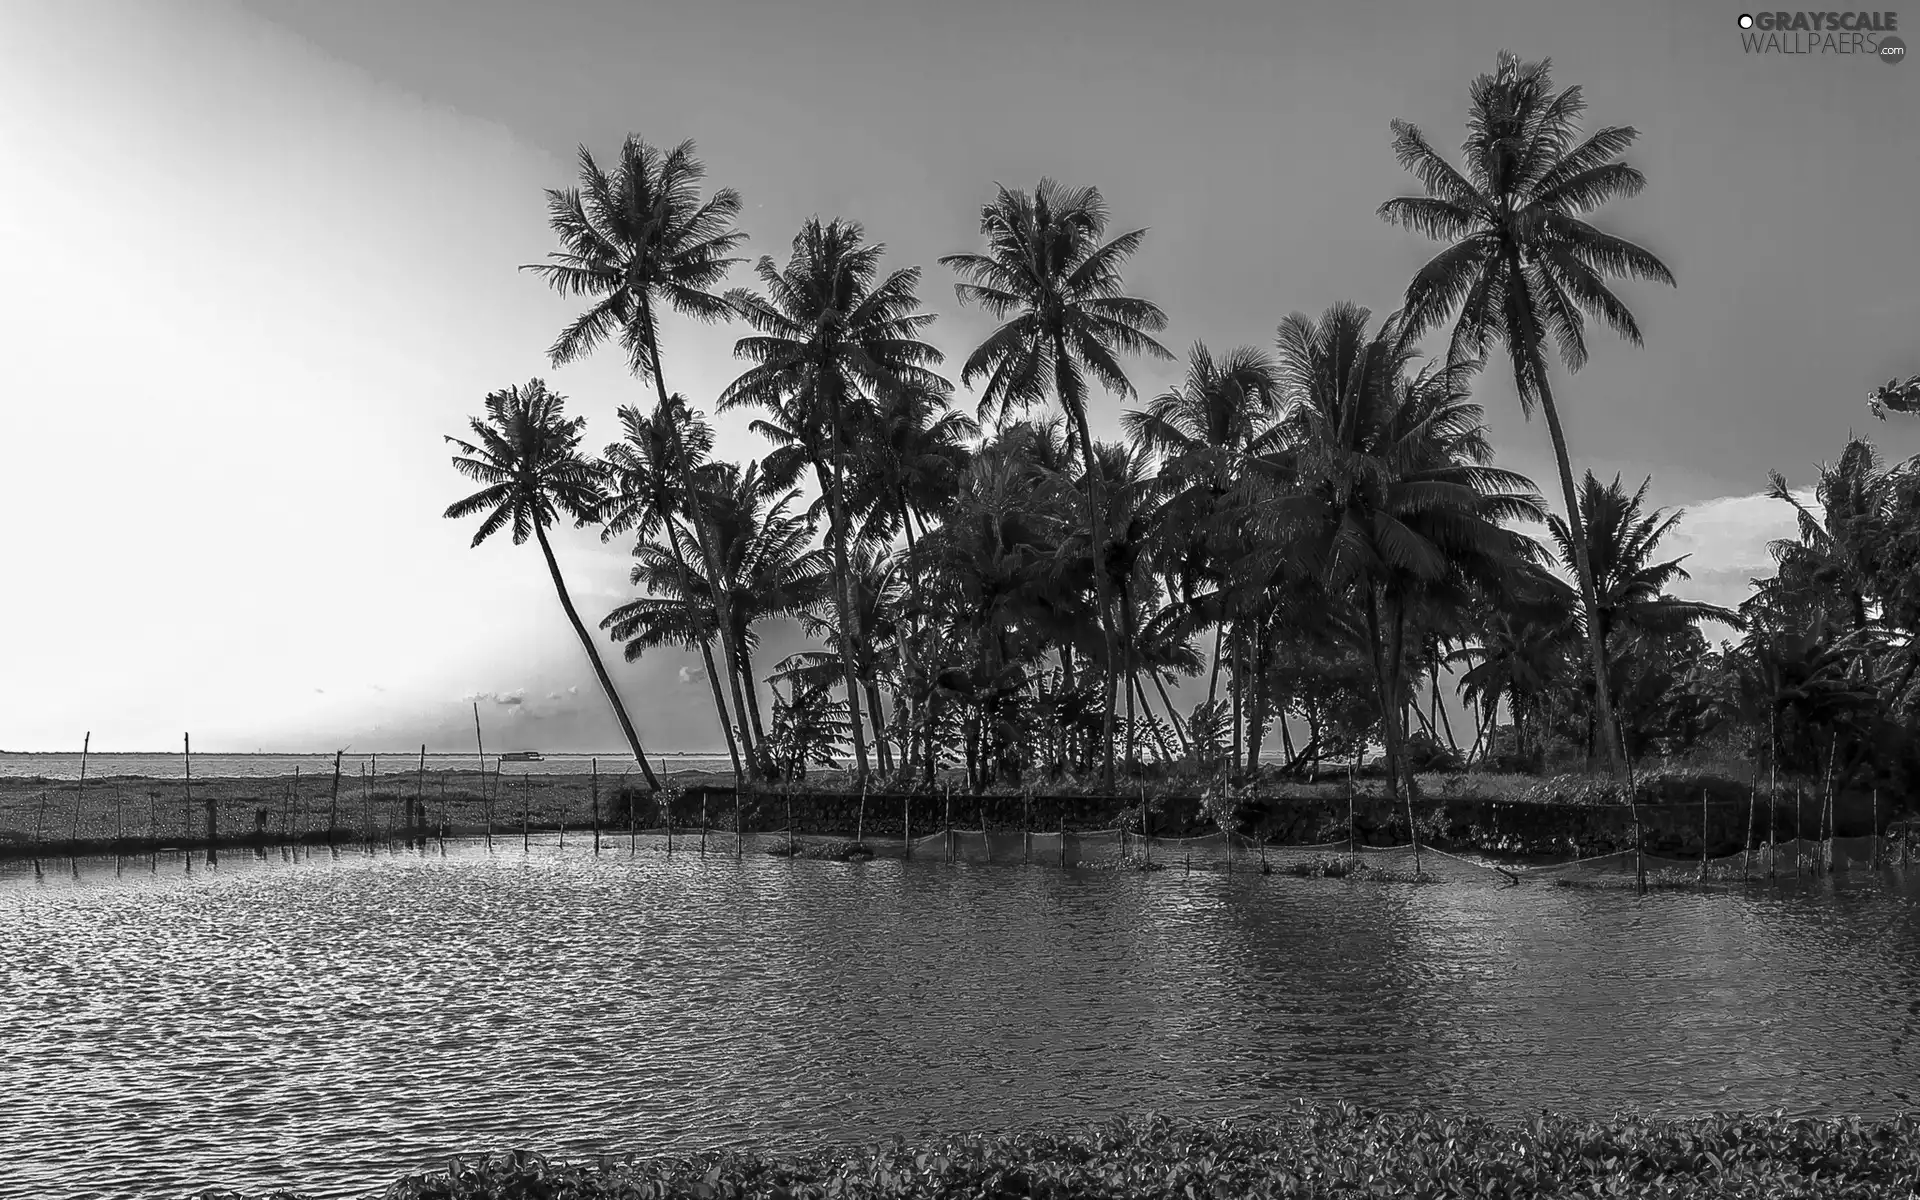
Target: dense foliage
<point>1315,535</point>
<point>1312,1152</point>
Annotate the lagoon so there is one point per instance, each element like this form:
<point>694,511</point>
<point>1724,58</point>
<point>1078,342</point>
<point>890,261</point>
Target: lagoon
<point>331,1023</point>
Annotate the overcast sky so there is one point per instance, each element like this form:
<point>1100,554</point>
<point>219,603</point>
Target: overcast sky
<point>261,256</point>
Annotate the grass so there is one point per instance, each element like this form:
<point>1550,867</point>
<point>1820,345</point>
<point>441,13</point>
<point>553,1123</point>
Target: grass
<point>831,851</point>
<point>1347,866</point>
<point>1337,1151</point>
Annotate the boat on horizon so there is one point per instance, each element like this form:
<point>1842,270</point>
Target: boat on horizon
<point>522,756</point>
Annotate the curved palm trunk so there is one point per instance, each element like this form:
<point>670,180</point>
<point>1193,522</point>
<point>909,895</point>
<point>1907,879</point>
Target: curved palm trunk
<point>593,656</point>
<point>843,579</point>
<point>706,649</point>
<point>1102,589</point>
<point>917,710</point>
<point>716,577</point>
<point>1583,564</point>
<point>753,697</point>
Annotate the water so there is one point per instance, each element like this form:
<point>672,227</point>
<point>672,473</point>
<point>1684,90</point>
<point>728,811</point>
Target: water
<point>271,766</point>
<point>331,1024</point>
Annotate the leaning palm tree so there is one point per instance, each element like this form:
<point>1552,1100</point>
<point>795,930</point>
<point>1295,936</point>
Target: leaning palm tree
<point>639,240</point>
<point>1523,266</point>
<point>527,458</point>
<point>1057,289</point>
<point>646,473</point>
<point>832,339</point>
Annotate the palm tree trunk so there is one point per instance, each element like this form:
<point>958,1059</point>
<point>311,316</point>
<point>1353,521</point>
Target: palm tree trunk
<point>1101,584</point>
<point>1383,686</point>
<point>1213,682</point>
<point>706,649</point>
<point>1146,710</point>
<point>917,710</point>
<point>843,580</point>
<point>876,716</point>
<point>593,656</point>
<point>1128,679</point>
<point>716,576</point>
<point>1173,718</point>
<point>1607,731</point>
<point>753,697</point>
<point>1446,722</point>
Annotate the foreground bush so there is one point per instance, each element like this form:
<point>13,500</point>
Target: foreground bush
<point>1324,1152</point>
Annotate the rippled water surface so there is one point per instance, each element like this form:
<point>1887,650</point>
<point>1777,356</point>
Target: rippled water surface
<point>333,1023</point>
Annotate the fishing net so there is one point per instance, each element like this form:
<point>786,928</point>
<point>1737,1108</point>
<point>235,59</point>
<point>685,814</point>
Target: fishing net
<point>1798,857</point>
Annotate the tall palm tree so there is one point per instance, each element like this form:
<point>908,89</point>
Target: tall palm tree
<point>1057,289</point>
<point>639,240</point>
<point>646,476</point>
<point>1523,266</point>
<point>526,455</point>
<point>831,339</point>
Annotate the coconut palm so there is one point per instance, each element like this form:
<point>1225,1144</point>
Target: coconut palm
<point>1523,266</point>
<point>1393,504</point>
<point>1057,289</point>
<point>640,241</point>
<point>831,340</point>
<point>646,479</point>
<point>526,455</point>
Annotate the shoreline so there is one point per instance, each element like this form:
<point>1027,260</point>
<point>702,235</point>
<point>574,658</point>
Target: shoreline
<point>1306,1150</point>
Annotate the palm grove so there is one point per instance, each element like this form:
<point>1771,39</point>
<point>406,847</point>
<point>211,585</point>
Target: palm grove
<point>1316,534</point>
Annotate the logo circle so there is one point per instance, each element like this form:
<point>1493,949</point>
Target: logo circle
<point>1892,49</point>
<point>1746,20</point>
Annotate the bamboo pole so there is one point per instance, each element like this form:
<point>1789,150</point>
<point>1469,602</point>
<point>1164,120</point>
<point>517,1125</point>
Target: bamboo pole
<point>906,824</point>
<point>1773,791</point>
<point>1833,744</point>
<point>417,823</point>
<point>1799,831</point>
<point>119,828</point>
<point>1350,804</point>
<point>1703,835</point>
<point>1026,824</point>
<point>1063,837</point>
<point>443,812</point>
<point>1746,845</point>
<point>1146,830</point>
<point>633,818</point>
<point>1873,852</point>
<point>666,809</point>
<point>333,800</point>
<point>594,768</point>
<point>73,835</point>
<point>39,827</point>
<point>299,817</point>
<point>860,817</point>
<point>788,797</point>
<point>366,803</point>
<point>153,826</point>
<point>526,813</point>
<point>739,847</point>
<point>949,826</point>
<point>703,822</point>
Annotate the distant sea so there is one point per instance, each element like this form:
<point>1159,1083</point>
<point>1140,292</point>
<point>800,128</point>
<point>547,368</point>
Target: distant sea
<point>266,766</point>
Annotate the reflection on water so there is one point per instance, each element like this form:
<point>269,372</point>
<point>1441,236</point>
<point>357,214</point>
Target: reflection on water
<point>332,1023</point>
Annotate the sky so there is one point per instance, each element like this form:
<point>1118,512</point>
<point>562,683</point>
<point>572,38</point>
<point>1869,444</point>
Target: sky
<point>261,256</point>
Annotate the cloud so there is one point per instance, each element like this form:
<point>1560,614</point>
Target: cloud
<point>505,699</point>
<point>692,674</point>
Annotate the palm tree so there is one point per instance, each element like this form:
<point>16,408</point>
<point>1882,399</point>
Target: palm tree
<point>1057,289</point>
<point>830,343</point>
<point>527,458</point>
<point>646,473</point>
<point>640,240</point>
<point>771,573</point>
<point>1523,265</point>
<point>1394,506</point>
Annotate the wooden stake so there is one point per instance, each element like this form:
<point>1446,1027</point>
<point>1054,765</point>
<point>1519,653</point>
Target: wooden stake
<point>153,826</point>
<point>119,829</point>
<point>1746,845</point>
<point>526,815</point>
<point>366,802</point>
<point>333,800</point>
<point>73,836</point>
<point>789,799</point>
<point>666,810</point>
<point>1063,837</point>
<point>1026,824</point>
<point>949,838</point>
<point>417,822</point>
<point>1703,835</point>
<point>443,812</point>
<point>39,826</point>
<point>860,818</point>
<point>906,824</point>
<point>703,821</point>
<point>739,847</point>
<point>1873,854</point>
<point>594,767</point>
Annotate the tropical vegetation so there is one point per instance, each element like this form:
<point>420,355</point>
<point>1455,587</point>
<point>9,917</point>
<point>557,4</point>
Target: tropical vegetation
<point>1309,542</point>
